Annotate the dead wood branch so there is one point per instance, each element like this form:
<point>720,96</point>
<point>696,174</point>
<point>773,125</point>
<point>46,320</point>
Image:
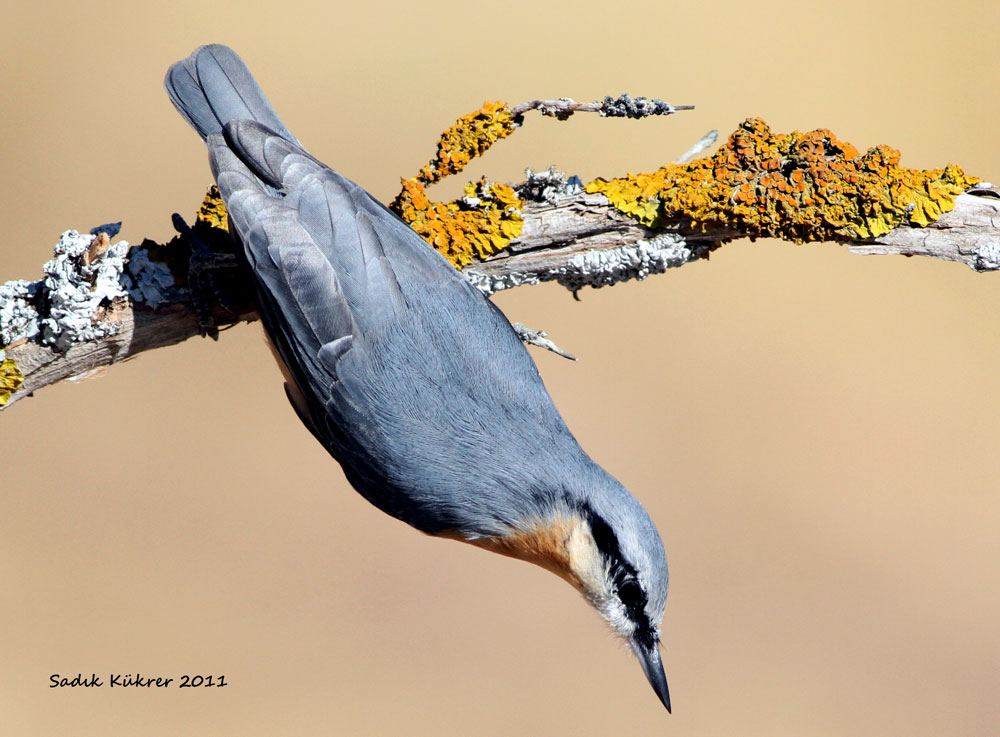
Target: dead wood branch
<point>577,241</point>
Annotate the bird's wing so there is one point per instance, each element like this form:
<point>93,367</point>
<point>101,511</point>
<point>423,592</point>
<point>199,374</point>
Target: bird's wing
<point>397,356</point>
<point>213,86</point>
<point>271,188</point>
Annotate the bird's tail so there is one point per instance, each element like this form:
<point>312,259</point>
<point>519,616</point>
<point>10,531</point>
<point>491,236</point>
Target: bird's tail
<point>213,86</point>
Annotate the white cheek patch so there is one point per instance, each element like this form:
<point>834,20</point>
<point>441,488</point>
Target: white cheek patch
<point>585,561</point>
<point>588,566</point>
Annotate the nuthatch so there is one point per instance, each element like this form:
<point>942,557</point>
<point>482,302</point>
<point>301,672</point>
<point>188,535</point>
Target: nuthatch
<point>412,379</point>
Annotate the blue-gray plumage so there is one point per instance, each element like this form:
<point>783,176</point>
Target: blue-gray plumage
<point>410,377</point>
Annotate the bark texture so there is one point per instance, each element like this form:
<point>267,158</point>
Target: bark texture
<point>578,241</point>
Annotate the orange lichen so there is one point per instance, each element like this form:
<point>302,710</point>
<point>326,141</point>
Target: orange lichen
<point>489,216</point>
<point>11,379</point>
<point>798,186</point>
<point>469,137</point>
<point>474,227</point>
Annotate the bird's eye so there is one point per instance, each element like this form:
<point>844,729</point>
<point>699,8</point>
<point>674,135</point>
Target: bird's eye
<point>631,595</point>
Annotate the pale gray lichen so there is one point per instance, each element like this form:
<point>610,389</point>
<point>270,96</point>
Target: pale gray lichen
<point>148,282</point>
<point>626,106</point>
<point>62,308</point>
<point>987,257</point>
<point>548,186</point>
<point>489,283</point>
<point>18,316</point>
<point>602,268</point>
<point>74,290</point>
<point>637,261</point>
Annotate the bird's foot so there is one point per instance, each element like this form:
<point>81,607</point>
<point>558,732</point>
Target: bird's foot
<point>203,266</point>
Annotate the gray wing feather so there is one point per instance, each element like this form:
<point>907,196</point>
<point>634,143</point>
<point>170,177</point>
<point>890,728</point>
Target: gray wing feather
<point>213,86</point>
<point>411,377</point>
<point>294,276</point>
<point>189,98</point>
<point>328,211</point>
<point>308,282</point>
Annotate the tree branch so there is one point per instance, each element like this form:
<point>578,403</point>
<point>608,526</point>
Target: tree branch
<point>624,106</point>
<point>969,234</point>
<point>577,240</point>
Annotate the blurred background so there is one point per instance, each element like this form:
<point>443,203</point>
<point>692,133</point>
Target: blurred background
<point>815,433</point>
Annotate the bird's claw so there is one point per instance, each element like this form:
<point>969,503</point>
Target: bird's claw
<point>205,291</point>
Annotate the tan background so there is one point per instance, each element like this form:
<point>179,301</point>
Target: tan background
<point>815,433</point>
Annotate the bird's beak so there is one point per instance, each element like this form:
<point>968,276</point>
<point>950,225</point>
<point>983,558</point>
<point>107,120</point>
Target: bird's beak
<point>652,666</point>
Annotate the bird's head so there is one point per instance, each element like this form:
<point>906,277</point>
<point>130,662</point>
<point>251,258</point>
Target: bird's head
<point>607,547</point>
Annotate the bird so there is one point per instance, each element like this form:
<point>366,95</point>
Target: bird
<point>411,378</point>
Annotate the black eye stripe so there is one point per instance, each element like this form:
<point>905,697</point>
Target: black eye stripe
<point>605,538</point>
<point>623,574</point>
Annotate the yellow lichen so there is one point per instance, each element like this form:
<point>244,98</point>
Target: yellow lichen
<point>213,211</point>
<point>797,186</point>
<point>469,137</point>
<point>11,379</point>
<point>472,228</point>
<point>489,216</point>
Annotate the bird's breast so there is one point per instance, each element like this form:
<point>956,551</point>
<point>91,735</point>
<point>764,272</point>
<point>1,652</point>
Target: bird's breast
<point>554,544</point>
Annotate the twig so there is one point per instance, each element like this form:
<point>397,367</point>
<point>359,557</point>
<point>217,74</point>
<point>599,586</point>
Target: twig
<point>539,338</point>
<point>579,241</point>
<point>703,143</point>
<point>624,106</point>
<point>969,234</point>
